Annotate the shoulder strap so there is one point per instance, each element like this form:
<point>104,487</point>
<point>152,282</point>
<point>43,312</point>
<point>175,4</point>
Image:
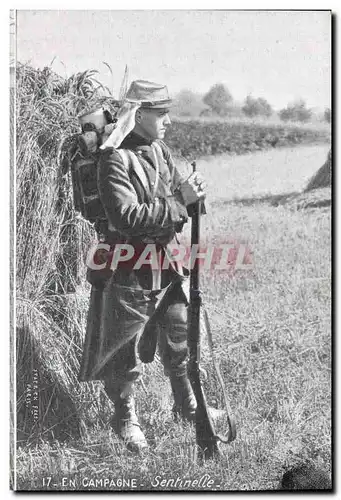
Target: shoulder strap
<point>159,149</point>
<point>130,160</point>
<point>157,153</point>
<point>165,151</point>
<point>166,154</point>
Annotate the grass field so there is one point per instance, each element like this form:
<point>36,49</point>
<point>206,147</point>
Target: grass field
<point>265,172</point>
<point>272,336</point>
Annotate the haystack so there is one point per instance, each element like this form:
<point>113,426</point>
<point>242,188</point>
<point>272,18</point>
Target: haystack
<point>51,403</point>
<point>322,178</point>
<point>51,241</point>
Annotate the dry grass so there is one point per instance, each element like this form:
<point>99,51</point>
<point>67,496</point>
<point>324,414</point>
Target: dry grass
<point>50,243</point>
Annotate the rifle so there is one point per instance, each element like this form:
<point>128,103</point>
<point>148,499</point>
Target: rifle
<point>206,437</point>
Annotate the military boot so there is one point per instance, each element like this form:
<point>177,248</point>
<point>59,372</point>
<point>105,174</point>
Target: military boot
<point>184,400</point>
<point>125,422</point>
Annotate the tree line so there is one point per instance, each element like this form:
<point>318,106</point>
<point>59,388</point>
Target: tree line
<point>218,101</point>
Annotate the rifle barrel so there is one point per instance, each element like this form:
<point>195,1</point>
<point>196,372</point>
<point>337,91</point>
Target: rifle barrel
<point>195,240</point>
<point>205,434</point>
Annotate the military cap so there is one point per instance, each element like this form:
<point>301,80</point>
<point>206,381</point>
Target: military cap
<point>149,94</point>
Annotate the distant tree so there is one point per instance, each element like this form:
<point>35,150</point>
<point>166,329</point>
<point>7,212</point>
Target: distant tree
<point>328,115</point>
<point>286,114</point>
<point>303,113</point>
<point>296,111</point>
<point>218,98</point>
<point>256,107</point>
<point>188,103</point>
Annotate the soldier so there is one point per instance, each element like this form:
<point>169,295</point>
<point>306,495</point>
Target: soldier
<point>145,199</point>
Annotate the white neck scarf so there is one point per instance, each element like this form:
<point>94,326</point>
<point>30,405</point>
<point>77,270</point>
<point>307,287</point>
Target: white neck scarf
<point>123,126</point>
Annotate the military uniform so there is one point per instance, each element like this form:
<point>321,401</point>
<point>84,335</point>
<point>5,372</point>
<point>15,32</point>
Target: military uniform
<point>121,305</point>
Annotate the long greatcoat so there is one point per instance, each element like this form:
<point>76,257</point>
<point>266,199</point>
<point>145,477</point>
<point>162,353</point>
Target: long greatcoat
<point>121,302</point>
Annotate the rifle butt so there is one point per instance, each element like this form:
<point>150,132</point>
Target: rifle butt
<point>206,437</point>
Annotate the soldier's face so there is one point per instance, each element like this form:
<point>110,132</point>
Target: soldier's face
<point>154,122</point>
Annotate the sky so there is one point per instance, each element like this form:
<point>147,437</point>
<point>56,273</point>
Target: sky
<point>281,56</point>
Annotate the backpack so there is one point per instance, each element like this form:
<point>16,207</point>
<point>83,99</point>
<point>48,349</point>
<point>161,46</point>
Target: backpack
<point>84,182</point>
<point>81,155</point>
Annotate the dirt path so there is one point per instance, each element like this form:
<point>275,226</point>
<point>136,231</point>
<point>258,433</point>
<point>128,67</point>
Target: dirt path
<point>269,172</point>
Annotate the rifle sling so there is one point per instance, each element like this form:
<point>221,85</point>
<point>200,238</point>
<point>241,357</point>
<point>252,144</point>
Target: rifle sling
<point>230,418</point>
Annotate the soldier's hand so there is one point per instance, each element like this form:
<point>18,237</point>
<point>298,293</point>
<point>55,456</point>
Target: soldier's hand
<point>193,188</point>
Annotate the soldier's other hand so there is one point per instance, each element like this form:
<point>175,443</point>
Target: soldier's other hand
<point>193,188</point>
